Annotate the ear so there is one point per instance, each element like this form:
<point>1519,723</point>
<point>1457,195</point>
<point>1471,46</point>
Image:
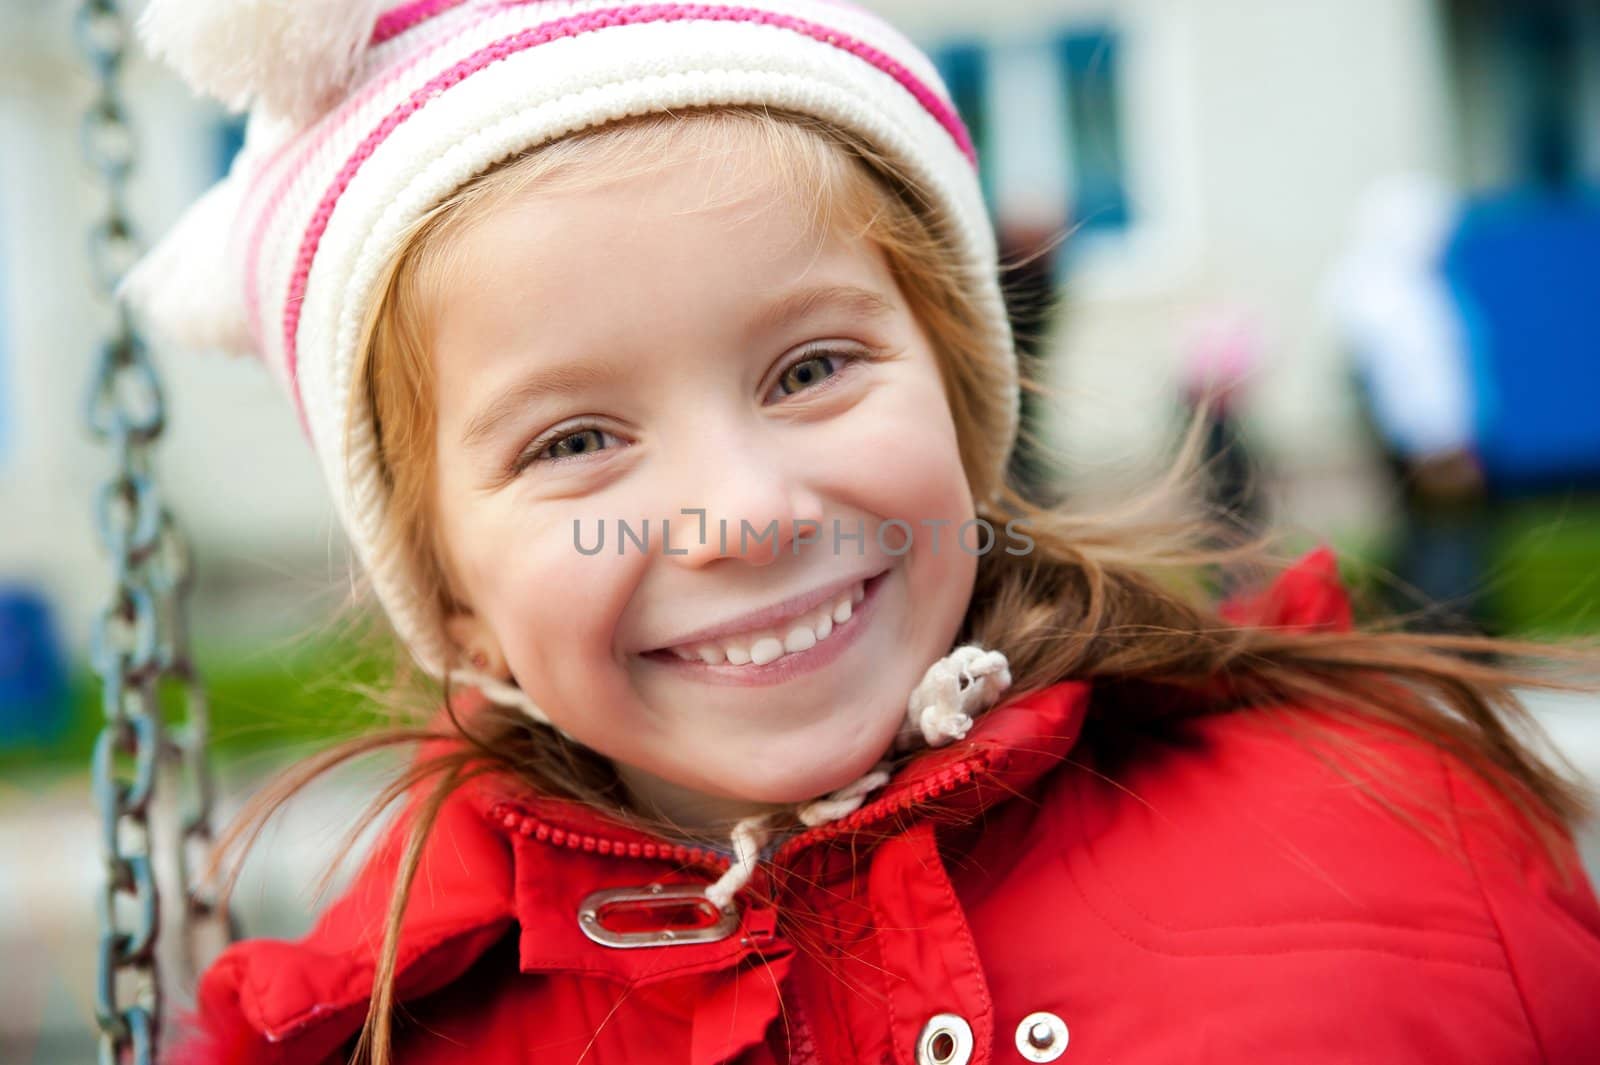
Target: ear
<point>476,646</point>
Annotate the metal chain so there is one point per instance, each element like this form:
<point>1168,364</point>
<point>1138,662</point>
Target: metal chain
<point>139,644</point>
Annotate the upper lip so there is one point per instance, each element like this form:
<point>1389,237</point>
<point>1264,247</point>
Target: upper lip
<point>772,616</point>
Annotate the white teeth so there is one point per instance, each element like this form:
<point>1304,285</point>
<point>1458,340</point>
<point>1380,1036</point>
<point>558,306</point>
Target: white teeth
<point>761,648</point>
<point>767,649</point>
<point>800,638</point>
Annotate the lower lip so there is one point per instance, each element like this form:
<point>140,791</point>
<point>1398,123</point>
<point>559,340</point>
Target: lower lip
<point>789,666</point>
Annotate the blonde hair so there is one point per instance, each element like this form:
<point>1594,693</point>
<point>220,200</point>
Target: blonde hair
<point>1109,597</point>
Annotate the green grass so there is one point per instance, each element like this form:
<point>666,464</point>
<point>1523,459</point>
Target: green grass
<point>1545,582</point>
<point>259,702</point>
<point>1542,569</point>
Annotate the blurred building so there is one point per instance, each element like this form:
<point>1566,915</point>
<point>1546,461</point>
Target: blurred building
<point>232,463</point>
<point>1204,153</point>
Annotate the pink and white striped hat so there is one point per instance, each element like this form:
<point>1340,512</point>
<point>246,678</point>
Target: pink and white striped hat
<point>365,115</point>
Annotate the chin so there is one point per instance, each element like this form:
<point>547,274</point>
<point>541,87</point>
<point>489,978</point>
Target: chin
<point>787,781</point>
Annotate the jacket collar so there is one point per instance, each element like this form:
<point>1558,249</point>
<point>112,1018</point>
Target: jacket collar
<point>1009,746</point>
<point>563,851</point>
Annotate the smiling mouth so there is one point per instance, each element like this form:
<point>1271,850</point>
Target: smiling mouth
<point>762,646</point>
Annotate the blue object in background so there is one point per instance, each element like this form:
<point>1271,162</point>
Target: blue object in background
<point>33,679</point>
<point>229,139</point>
<point>1525,268</point>
<point>1090,72</point>
<point>965,70</point>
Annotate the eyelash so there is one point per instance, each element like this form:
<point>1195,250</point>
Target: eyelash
<point>534,455</point>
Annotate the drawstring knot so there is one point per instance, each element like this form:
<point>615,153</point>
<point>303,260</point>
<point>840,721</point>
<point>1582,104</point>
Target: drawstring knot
<point>956,688</point>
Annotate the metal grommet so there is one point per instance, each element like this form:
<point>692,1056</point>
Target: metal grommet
<point>682,916</point>
<point>945,1040</point>
<point>1042,1037</point>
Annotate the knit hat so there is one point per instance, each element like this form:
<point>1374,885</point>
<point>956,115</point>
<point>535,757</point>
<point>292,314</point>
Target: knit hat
<point>364,115</point>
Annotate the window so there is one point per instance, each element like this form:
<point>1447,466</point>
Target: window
<point>1527,91</point>
<point>1089,65</point>
<point>1046,115</point>
<point>964,69</point>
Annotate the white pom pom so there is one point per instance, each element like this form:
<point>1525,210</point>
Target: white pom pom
<point>292,57</point>
<point>188,287</point>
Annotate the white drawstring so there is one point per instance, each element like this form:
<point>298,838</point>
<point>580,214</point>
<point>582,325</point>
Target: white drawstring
<point>753,833</point>
<point>953,691</point>
<point>846,801</point>
<point>749,836</point>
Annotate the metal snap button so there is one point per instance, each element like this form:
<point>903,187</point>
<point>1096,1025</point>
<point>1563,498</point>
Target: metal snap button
<point>1042,1037</point>
<point>945,1040</point>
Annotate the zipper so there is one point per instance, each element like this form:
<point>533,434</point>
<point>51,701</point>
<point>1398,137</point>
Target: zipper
<point>533,827</point>
<point>947,780</point>
<point>940,784</point>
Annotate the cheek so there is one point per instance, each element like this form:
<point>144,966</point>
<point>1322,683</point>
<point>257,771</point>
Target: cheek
<point>906,451</point>
<point>923,482</point>
<point>553,608</point>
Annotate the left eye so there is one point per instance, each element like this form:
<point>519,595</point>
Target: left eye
<point>809,371</point>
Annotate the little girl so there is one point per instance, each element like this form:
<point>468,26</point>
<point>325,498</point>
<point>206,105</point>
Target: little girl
<point>657,360</point>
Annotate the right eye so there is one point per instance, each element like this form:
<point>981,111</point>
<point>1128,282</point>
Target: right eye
<point>571,445</point>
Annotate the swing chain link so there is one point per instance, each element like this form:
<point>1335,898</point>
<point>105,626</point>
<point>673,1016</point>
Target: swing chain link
<point>140,639</point>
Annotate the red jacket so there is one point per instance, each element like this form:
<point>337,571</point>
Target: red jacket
<point>1225,898</point>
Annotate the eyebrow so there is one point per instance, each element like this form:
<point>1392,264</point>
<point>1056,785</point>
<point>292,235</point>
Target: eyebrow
<point>797,305</point>
<point>565,380</point>
<point>571,379</point>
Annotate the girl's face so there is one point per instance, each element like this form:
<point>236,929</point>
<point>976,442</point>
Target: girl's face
<point>685,341</point>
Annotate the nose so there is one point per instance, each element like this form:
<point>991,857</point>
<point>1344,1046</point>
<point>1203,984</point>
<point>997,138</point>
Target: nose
<point>741,495</point>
